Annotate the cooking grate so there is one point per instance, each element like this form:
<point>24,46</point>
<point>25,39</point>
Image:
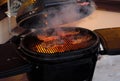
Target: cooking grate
<point>66,45</point>
<point>52,41</point>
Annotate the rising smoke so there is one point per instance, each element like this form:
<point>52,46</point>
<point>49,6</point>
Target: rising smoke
<point>67,13</point>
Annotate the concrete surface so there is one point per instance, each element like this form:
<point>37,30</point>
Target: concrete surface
<point>107,69</point>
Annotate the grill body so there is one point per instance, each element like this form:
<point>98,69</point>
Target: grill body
<point>76,65</point>
<point>81,69</point>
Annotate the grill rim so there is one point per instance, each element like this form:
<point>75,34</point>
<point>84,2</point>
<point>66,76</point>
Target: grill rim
<point>63,54</point>
<point>52,54</point>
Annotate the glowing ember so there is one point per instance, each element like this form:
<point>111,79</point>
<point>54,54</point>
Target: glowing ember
<point>61,42</point>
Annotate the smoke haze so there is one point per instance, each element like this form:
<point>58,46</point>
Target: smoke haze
<point>67,13</point>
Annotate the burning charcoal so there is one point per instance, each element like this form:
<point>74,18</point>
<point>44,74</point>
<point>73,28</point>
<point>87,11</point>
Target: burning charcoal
<point>68,34</point>
<point>46,38</point>
<point>62,40</point>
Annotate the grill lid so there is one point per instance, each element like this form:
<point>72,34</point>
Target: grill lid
<point>40,13</point>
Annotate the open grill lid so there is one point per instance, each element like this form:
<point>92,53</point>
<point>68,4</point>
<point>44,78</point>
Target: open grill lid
<point>40,13</point>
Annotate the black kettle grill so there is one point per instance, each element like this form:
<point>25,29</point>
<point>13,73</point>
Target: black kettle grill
<point>15,62</point>
<point>73,64</point>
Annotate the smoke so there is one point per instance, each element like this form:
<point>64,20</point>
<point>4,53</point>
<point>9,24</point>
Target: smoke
<point>67,13</point>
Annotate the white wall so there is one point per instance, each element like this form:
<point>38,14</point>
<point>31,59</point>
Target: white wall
<point>99,19</point>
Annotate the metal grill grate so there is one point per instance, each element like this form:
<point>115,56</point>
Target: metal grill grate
<point>52,41</point>
<point>68,45</point>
